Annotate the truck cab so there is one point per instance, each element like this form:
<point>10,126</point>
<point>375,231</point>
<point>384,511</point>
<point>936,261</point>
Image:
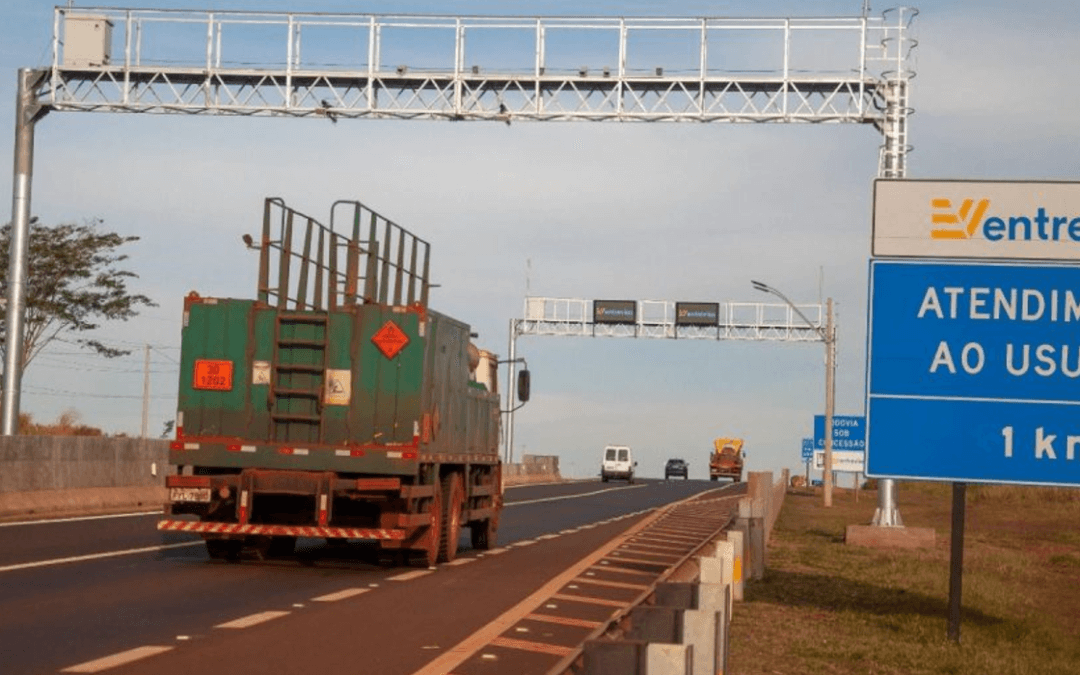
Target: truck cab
<point>618,463</point>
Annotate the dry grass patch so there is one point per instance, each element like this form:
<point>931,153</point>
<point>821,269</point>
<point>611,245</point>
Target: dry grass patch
<point>825,607</point>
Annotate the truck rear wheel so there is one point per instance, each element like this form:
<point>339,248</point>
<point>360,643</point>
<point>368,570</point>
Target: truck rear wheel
<point>224,549</point>
<point>482,535</point>
<point>432,539</point>
<point>453,498</point>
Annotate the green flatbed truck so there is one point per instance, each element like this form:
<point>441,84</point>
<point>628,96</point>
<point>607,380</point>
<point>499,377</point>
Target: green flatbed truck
<point>337,404</point>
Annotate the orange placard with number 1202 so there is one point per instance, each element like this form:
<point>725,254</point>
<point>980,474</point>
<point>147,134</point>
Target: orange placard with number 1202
<point>213,374</point>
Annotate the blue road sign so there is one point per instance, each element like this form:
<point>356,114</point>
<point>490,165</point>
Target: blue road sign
<point>849,432</point>
<point>973,372</point>
<point>807,449</point>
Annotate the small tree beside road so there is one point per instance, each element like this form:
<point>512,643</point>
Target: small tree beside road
<point>74,284</point>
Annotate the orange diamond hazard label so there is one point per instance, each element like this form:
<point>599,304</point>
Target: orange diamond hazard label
<point>390,339</point>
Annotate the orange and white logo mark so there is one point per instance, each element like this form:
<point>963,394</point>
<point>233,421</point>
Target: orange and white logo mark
<point>964,221</point>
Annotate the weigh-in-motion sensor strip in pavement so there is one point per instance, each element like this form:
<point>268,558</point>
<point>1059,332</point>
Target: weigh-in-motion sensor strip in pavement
<point>549,627</point>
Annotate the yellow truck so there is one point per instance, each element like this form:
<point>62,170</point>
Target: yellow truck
<point>727,459</point>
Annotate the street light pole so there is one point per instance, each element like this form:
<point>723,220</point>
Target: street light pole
<point>828,336</point>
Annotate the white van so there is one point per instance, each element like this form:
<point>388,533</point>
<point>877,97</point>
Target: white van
<point>618,463</point>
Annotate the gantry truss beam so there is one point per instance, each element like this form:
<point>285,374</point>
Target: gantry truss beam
<point>475,68</point>
<point>573,317</point>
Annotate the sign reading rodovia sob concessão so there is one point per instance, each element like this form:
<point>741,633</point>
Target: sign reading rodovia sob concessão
<point>973,369</point>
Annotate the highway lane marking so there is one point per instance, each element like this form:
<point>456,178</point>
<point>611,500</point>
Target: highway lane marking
<point>119,659</point>
<point>409,575</point>
<point>252,619</point>
<point>460,561</point>
<point>76,519</point>
<point>584,494</point>
<point>340,595</point>
<point>97,556</point>
<point>465,649</point>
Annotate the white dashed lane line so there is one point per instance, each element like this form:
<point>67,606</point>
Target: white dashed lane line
<point>340,595</point>
<point>252,620</point>
<point>119,659</point>
<point>409,575</point>
<point>96,556</point>
<point>460,561</point>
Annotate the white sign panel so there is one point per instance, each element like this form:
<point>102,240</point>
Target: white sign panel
<point>977,219</point>
<point>845,461</point>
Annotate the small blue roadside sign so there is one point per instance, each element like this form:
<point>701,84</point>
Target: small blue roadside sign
<point>807,449</point>
<point>849,432</point>
<point>973,372</point>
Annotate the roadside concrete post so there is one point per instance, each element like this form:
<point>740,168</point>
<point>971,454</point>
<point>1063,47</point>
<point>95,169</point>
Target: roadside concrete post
<point>736,537</point>
<point>760,485</point>
<point>742,525</point>
<point>669,659</point>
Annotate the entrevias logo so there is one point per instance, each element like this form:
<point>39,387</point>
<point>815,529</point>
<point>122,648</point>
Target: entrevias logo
<point>967,222</point>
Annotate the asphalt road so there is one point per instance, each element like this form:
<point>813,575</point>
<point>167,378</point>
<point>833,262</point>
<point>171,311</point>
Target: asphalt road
<point>77,591</point>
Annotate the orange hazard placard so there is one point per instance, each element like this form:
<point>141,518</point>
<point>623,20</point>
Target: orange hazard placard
<point>213,374</point>
<point>390,339</point>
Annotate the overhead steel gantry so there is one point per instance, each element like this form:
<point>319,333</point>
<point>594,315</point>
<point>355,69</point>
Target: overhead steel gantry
<point>658,319</point>
<point>505,69</point>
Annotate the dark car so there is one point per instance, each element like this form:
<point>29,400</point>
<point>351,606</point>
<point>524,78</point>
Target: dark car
<point>676,467</point>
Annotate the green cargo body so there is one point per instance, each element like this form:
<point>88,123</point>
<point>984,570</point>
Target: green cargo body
<point>317,381</point>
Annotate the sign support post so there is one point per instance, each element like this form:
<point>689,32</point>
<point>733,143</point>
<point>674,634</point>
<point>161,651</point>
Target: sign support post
<point>956,559</point>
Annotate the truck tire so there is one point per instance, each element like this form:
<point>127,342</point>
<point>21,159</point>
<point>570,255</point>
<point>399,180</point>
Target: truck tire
<point>483,534</point>
<point>429,550</point>
<point>224,549</point>
<point>453,498</point>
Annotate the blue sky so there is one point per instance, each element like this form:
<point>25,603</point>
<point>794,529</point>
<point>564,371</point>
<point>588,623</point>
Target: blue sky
<point>646,211</point>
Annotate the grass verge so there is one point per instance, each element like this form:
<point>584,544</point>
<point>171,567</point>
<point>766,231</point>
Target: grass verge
<point>825,607</point>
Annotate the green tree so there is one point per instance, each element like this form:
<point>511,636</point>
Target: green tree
<point>74,284</point>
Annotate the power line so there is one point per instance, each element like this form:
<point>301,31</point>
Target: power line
<point>45,391</point>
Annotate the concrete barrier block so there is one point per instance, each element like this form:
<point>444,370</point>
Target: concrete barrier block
<point>678,594</point>
<point>604,657</point>
<point>656,624</point>
<point>664,659</point>
<point>737,569</point>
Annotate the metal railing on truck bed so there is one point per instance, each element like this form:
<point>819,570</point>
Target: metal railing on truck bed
<point>345,263</point>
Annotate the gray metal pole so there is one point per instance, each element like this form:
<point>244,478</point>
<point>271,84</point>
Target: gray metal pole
<point>830,398</point>
<point>146,392</point>
<point>510,388</point>
<point>894,165</point>
<point>20,236</point>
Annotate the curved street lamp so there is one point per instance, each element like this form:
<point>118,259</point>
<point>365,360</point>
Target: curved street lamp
<point>828,336</point>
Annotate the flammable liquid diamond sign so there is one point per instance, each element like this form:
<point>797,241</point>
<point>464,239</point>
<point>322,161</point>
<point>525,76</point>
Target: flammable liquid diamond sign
<point>974,372</point>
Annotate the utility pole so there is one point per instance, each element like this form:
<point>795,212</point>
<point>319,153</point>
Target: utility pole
<point>146,391</point>
<point>830,397</point>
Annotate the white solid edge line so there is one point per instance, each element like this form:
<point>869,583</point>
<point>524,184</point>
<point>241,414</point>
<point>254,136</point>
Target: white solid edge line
<point>584,494</point>
<point>340,595</point>
<point>114,660</point>
<point>97,556</point>
<point>406,576</point>
<point>252,619</point>
<point>76,519</point>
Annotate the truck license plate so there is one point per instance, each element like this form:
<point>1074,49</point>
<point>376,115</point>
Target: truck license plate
<point>179,494</point>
